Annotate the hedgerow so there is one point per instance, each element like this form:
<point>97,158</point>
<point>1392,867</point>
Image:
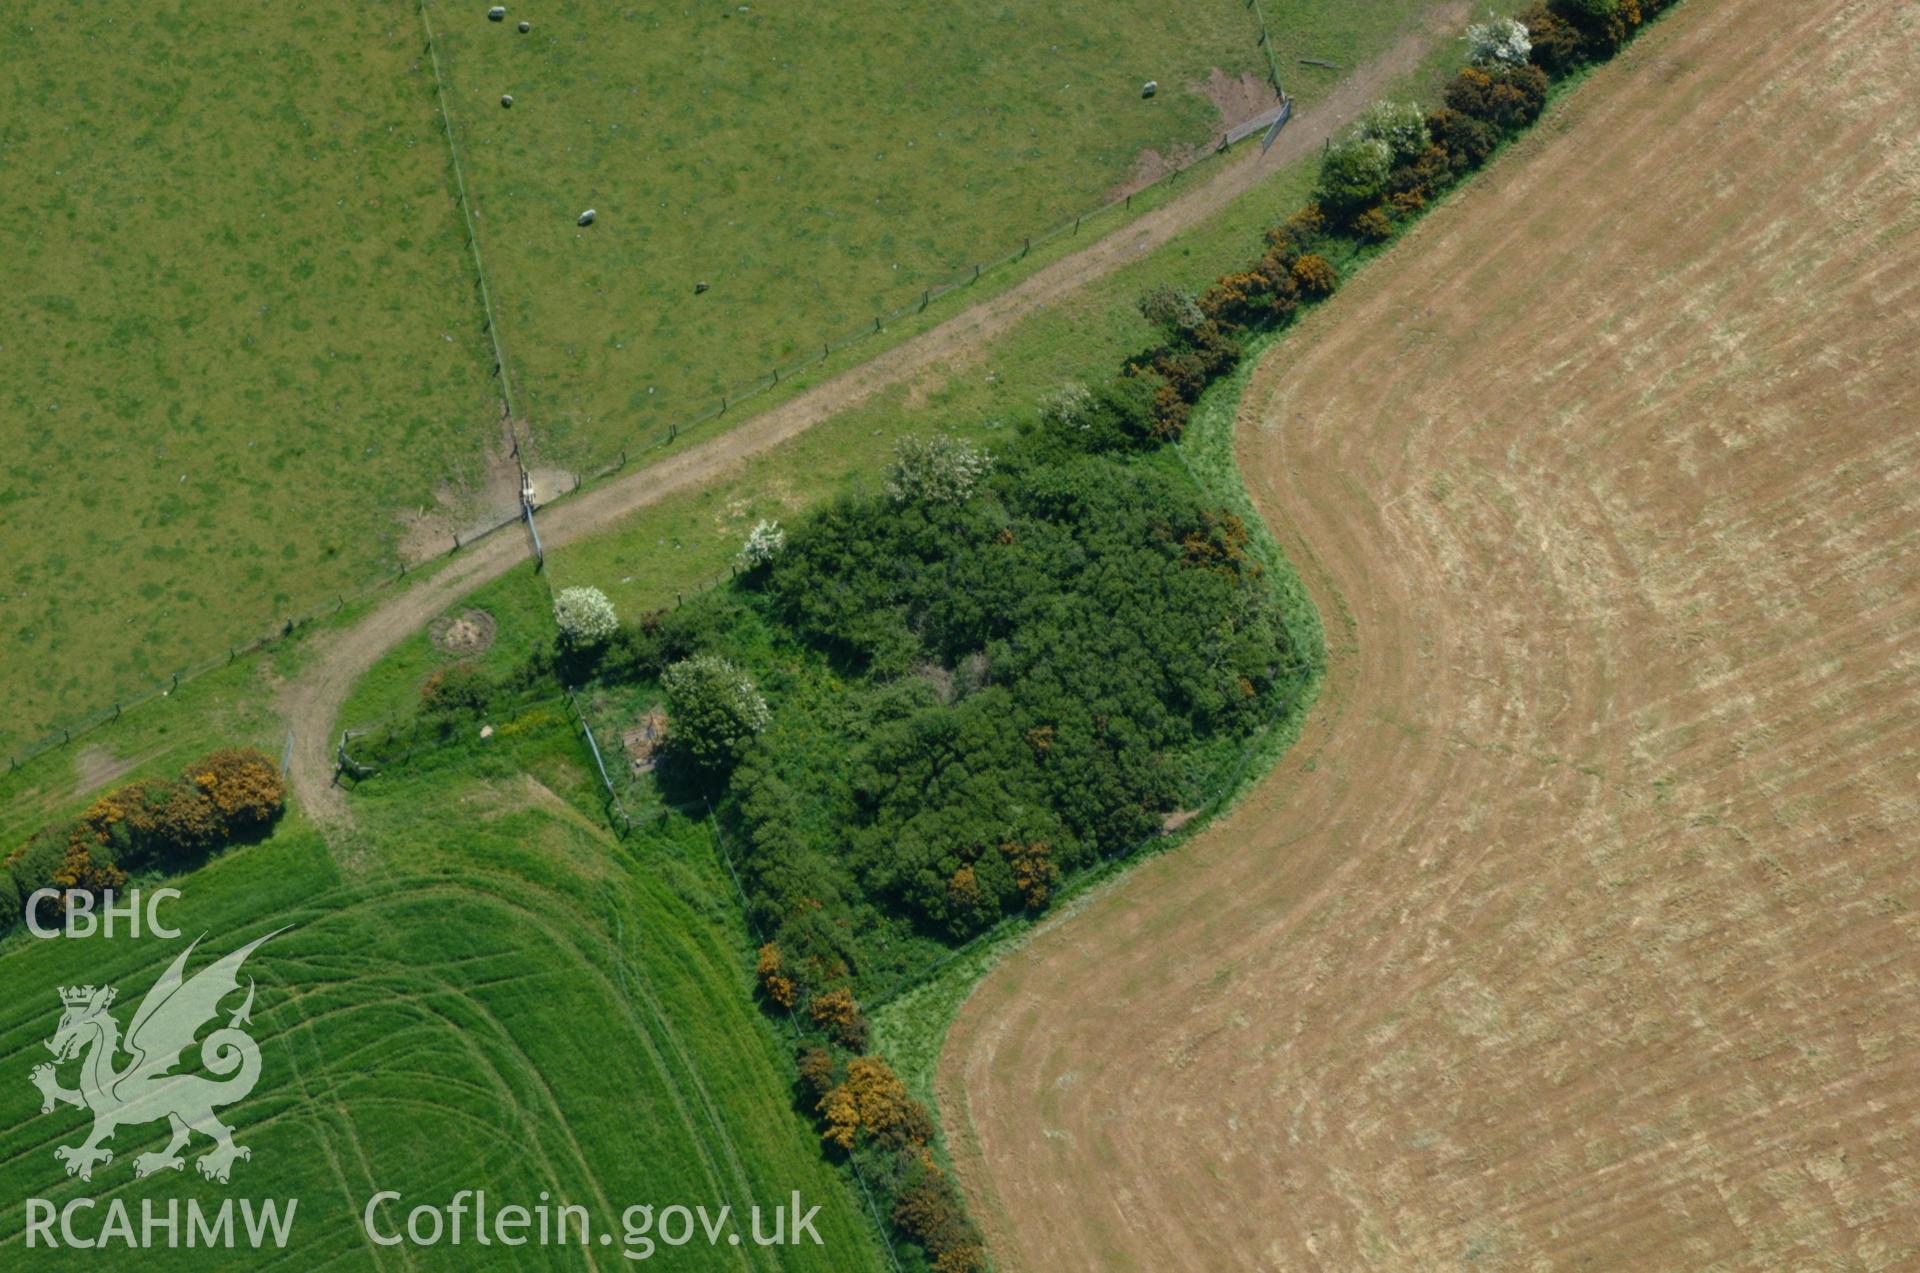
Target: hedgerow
<point>926,708</point>
<point>225,796</point>
<point>1396,161</point>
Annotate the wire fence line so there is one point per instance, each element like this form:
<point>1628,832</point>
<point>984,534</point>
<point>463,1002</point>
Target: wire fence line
<point>625,824</point>
<point>744,390</point>
<point>397,740</point>
<point>275,633</point>
<point>642,444</point>
<point>492,326</point>
<point>1266,46</point>
<point>617,814</point>
<point>363,752</point>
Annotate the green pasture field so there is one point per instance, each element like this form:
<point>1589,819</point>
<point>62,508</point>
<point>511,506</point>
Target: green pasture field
<point>685,542</point>
<point>688,540</point>
<point>247,341</point>
<point>458,866</point>
<point>242,332</point>
<point>816,165</point>
<point>482,989</point>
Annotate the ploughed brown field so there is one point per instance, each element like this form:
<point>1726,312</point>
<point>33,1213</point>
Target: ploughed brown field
<point>1582,929</point>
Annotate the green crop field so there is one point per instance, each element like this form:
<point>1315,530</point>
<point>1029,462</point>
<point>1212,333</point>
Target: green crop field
<point>481,990</point>
<point>249,341</point>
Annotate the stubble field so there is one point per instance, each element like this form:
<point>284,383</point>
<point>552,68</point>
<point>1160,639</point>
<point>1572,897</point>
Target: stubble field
<point>1578,931</point>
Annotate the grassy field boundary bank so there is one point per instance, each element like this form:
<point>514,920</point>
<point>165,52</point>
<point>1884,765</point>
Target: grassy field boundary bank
<point>795,1034</point>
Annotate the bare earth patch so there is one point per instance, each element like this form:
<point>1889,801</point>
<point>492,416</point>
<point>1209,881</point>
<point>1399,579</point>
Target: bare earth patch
<point>1579,931</point>
<point>549,483</point>
<point>1237,100</point>
<point>467,633</point>
<point>643,741</point>
<point>95,767</point>
<point>1149,166</point>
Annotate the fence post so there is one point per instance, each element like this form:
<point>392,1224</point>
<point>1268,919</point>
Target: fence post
<point>1028,247</point>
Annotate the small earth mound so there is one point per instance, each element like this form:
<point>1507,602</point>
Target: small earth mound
<point>469,632</point>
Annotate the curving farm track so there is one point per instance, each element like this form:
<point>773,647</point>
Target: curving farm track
<point>1582,930</point>
<point>312,702</point>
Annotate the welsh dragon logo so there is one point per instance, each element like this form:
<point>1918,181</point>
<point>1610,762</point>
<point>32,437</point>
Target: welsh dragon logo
<point>146,1089</point>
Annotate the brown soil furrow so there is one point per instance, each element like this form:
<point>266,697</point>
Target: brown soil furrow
<point>1578,929</point>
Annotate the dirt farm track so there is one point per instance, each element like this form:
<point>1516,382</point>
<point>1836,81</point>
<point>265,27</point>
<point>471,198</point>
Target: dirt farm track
<point>1582,929</point>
